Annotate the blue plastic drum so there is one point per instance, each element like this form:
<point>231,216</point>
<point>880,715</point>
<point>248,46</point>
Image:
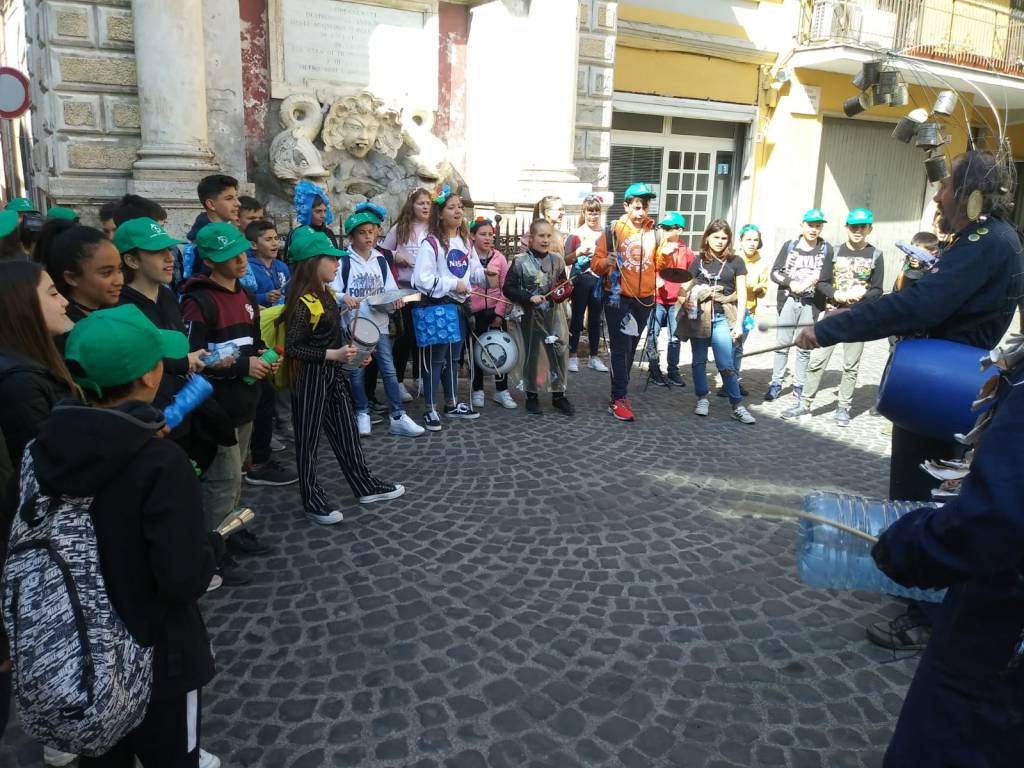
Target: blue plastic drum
<point>929,385</point>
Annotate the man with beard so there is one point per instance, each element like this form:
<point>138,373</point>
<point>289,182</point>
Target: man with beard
<point>970,299</point>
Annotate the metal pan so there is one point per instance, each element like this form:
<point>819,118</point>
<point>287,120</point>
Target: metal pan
<point>386,301</point>
<point>675,275</point>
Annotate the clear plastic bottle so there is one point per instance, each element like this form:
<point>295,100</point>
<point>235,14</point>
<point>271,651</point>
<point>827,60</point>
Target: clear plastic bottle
<point>833,559</point>
<point>222,352</point>
<point>189,397</point>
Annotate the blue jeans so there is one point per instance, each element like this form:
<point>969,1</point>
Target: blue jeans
<point>661,317</point>
<point>721,345</point>
<point>386,366</point>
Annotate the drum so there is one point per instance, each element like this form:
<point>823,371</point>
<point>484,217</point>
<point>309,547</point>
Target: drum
<point>561,291</point>
<point>365,335</point>
<point>495,353</point>
<point>929,384</point>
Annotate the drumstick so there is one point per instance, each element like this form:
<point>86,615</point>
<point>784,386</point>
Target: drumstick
<point>776,348</point>
<point>766,325</point>
<point>493,298</point>
<point>787,512</point>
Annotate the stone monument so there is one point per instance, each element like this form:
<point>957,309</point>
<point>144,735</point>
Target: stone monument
<point>359,148</point>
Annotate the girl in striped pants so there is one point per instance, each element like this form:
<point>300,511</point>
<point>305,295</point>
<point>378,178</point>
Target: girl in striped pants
<point>321,396</point>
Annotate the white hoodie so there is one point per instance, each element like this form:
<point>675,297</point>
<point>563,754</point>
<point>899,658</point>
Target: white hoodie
<point>437,274</point>
<point>365,279</point>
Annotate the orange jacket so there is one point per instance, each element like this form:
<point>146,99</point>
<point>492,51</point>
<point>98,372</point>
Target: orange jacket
<point>642,258</point>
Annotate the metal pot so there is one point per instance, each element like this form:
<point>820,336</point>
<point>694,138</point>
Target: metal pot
<point>937,168</point>
<point>945,103</point>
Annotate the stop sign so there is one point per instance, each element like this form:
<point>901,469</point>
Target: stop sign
<point>14,99</point>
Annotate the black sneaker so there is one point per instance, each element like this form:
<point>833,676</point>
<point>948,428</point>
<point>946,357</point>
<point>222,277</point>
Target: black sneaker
<point>721,392</point>
<point>658,378</point>
<point>743,391</point>
<point>377,407</point>
<point>431,421</point>
<point>245,542</point>
<point>533,406</point>
<point>675,379</point>
<point>271,472</point>
<point>461,411</point>
<point>562,404</point>
<point>232,573</point>
<point>904,633</point>
<point>842,417</point>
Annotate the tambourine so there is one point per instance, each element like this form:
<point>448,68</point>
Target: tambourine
<point>561,291</point>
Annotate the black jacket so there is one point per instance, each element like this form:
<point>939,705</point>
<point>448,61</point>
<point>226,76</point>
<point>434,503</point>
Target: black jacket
<point>970,298</point>
<point>155,553</point>
<point>164,313</point>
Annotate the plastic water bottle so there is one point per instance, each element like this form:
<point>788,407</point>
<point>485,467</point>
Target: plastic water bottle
<point>694,313</point>
<point>189,397</point>
<point>221,352</point>
<point>269,357</point>
<point>833,559</point>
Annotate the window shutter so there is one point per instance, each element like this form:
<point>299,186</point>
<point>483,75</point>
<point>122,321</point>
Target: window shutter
<point>630,165</point>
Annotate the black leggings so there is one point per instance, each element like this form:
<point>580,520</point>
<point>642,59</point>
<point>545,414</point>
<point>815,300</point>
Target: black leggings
<point>584,300</point>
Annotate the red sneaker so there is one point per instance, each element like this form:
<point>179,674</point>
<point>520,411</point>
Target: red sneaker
<point>620,410</point>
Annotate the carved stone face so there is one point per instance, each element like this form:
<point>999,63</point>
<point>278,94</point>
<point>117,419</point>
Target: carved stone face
<point>358,134</point>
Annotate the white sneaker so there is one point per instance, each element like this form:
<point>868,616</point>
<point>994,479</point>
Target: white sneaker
<point>702,407</point>
<point>363,422</point>
<point>406,395</point>
<point>574,364</point>
<point>215,583</point>
<point>742,415</point>
<point>477,398</point>
<point>405,427</point>
<point>504,399</point>
<point>595,364</point>
<point>53,756</point>
<point>331,518</point>
<point>206,760</point>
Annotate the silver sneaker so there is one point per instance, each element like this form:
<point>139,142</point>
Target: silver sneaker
<point>702,407</point>
<point>403,426</point>
<point>574,364</point>
<point>504,399</point>
<point>331,518</point>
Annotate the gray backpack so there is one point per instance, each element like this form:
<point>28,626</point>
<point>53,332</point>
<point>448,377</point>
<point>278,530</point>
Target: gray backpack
<point>81,681</point>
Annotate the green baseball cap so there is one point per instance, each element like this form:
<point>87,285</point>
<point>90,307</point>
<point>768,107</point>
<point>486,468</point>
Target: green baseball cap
<point>8,222</point>
<point>59,212</point>
<point>111,347</point>
<point>860,216</point>
<point>674,219</point>
<point>640,189</point>
<point>815,215</point>
<point>143,234</point>
<point>363,217</point>
<point>307,243</point>
<point>21,205</point>
<point>220,242</point>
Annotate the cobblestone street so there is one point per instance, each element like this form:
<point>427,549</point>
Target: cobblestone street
<point>555,592</point>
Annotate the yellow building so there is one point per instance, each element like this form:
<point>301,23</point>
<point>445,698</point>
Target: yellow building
<point>735,107</point>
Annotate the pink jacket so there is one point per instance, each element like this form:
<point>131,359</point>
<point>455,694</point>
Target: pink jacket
<point>478,303</point>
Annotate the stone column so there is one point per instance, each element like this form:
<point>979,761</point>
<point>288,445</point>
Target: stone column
<point>552,28</point>
<point>172,92</point>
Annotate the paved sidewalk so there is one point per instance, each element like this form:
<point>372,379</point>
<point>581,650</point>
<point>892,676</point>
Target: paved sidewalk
<point>556,592</point>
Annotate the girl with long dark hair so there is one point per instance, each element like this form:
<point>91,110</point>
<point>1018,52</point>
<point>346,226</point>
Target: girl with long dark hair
<point>84,265</point>
<point>321,394</point>
<point>713,315</point>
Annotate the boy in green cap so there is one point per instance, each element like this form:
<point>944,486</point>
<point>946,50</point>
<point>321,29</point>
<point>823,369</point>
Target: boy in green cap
<point>10,237</point>
<point>218,311</point>
<point>664,314</point>
<point>796,271</point>
<point>155,553</point>
<point>365,272</point>
<point>853,274</point>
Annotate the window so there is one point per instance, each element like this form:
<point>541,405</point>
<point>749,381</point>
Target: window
<point>632,164</point>
<point>634,121</point>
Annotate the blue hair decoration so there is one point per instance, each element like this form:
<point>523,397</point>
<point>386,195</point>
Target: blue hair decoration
<point>377,210</point>
<point>306,195</point>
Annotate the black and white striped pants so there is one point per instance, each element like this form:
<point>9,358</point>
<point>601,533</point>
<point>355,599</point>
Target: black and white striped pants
<point>321,400</point>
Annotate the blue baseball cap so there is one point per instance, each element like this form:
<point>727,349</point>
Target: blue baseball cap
<point>815,215</point>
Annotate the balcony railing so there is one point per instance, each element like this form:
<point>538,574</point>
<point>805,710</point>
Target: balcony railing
<point>972,33</point>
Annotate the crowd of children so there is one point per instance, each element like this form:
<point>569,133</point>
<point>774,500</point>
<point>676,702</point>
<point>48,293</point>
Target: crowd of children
<point>123,317</point>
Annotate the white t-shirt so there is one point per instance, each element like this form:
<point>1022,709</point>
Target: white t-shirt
<point>365,279</point>
<point>437,273</point>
